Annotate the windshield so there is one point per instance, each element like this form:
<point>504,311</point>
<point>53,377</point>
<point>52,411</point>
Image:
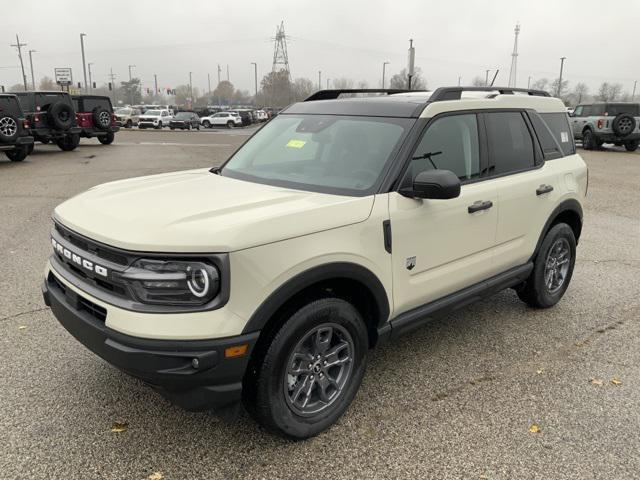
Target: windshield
<point>183,115</point>
<point>124,111</point>
<point>325,153</point>
<point>152,112</point>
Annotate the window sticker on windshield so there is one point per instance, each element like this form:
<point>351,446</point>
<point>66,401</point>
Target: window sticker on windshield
<point>564,137</point>
<point>296,143</point>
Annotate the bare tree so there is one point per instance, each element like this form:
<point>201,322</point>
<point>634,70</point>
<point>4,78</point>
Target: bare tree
<point>18,87</point>
<point>580,91</point>
<point>342,83</point>
<point>302,88</point>
<point>401,81</point>
<point>478,81</point>
<point>47,84</point>
<point>541,84</point>
<point>561,90</point>
<point>608,92</point>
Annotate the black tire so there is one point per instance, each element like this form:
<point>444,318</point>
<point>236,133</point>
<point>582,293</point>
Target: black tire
<point>18,155</point>
<point>159,127</point>
<point>588,140</point>
<point>30,148</point>
<point>129,124</point>
<point>101,118</point>
<point>623,124</point>
<point>188,127</point>
<point>230,125</point>
<point>69,142</point>
<point>107,139</point>
<point>599,143</point>
<point>61,115</point>
<point>206,124</point>
<point>172,128</point>
<point>269,385</point>
<point>535,291</point>
<point>8,128</point>
<point>632,145</point>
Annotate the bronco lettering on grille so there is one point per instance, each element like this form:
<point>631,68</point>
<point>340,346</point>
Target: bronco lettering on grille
<point>78,260</point>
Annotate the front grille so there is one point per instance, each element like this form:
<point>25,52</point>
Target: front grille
<point>78,301</point>
<point>89,246</point>
<point>94,310</point>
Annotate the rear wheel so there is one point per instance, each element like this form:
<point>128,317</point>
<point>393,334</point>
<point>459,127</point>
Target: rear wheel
<point>552,269</point>
<point>129,124</point>
<point>632,145</point>
<point>310,371</point>
<point>69,142</point>
<point>588,140</point>
<point>19,154</point>
<point>159,127</point>
<point>107,139</point>
<point>206,124</point>
<point>230,125</point>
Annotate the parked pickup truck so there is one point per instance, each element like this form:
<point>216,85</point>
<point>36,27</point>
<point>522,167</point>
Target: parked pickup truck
<point>598,123</point>
<point>155,119</point>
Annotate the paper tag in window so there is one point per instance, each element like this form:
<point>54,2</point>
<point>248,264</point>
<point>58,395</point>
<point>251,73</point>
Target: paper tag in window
<point>296,143</point>
<point>564,137</point>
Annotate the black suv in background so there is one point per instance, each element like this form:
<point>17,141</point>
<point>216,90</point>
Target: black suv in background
<point>185,120</point>
<point>51,118</point>
<point>15,140</point>
<point>95,117</point>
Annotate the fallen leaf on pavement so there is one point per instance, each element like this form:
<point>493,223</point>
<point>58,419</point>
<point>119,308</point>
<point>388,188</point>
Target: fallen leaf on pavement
<point>156,476</point>
<point>118,427</point>
<point>540,371</point>
<point>615,381</point>
<point>22,327</point>
<point>534,428</point>
<point>597,381</point>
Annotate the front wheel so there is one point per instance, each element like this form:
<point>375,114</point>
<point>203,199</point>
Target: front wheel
<point>632,145</point>
<point>552,269</point>
<point>310,371</point>
<point>107,139</point>
<point>159,127</point>
<point>18,154</point>
<point>588,140</point>
<point>230,125</point>
<point>206,124</point>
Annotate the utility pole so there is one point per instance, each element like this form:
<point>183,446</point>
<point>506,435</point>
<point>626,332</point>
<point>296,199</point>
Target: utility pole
<point>486,78</point>
<point>228,72</point>
<point>562,59</point>
<point>209,83</point>
<point>19,46</point>
<point>384,69</point>
<point>130,67</point>
<point>459,81</point>
<point>33,79</point>
<point>255,76</point>
<point>328,83</point>
<point>412,56</point>
<point>112,77</point>
<point>633,95</point>
<point>319,79</point>
<point>190,90</point>
<point>155,84</point>
<point>84,65</point>
<point>529,82</point>
<point>90,80</point>
<point>219,71</point>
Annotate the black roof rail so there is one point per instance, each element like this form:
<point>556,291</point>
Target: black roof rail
<point>455,93</point>
<point>333,94</point>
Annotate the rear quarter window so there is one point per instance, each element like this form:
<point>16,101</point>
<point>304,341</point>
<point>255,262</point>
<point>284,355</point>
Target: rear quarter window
<point>558,123</point>
<point>10,105</point>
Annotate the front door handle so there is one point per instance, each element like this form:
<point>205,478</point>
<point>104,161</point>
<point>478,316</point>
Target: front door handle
<point>480,205</point>
<point>542,189</point>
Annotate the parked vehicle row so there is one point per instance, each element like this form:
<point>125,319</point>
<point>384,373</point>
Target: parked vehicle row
<point>599,123</point>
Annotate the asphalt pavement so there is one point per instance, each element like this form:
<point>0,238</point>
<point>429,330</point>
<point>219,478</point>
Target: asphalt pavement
<point>494,391</point>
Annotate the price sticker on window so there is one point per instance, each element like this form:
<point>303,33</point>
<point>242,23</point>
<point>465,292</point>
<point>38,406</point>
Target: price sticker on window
<point>296,143</point>
<point>564,137</point>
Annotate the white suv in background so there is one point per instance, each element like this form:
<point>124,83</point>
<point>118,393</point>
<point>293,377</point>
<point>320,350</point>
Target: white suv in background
<point>222,119</point>
<point>339,225</point>
<point>155,119</point>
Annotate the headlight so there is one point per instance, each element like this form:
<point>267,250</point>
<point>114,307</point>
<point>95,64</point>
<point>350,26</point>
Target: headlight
<point>173,282</point>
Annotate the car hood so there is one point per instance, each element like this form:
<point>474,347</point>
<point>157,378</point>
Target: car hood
<point>198,211</point>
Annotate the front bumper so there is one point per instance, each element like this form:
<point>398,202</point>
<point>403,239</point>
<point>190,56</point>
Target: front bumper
<point>167,365</point>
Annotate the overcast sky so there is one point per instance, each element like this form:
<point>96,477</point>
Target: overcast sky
<point>341,38</point>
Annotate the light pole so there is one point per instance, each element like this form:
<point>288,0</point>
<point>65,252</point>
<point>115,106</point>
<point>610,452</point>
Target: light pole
<point>562,59</point>
<point>190,90</point>
<point>155,84</point>
<point>459,81</point>
<point>319,79</point>
<point>328,83</point>
<point>130,67</point>
<point>486,78</point>
<point>529,82</point>
<point>384,70</point>
<point>255,72</point>
<point>84,64</point>
<point>633,95</point>
<point>130,86</point>
<point>90,80</point>
<point>33,79</point>
<point>209,83</point>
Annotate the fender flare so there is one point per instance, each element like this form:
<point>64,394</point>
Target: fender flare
<point>337,270</point>
<point>569,205</point>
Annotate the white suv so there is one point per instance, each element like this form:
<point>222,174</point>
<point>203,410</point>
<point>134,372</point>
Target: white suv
<point>155,119</point>
<point>222,119</point>
<point>339,225</point>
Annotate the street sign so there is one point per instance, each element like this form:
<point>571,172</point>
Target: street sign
<point>63,76</point>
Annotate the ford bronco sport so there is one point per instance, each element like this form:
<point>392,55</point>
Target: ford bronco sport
<point>95,117</point>
<point>51,118</point>
<point>15,141</point>
<point>598,123</point>
<point>339,225</point>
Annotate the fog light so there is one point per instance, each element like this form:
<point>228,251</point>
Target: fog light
<point>195,363</point>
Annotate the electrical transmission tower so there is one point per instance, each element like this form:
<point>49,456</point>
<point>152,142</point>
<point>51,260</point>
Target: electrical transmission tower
<point>514,59</point>
<point>280,57</point>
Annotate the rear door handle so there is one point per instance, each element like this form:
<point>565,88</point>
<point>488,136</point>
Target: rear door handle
<point>480,205</point>
<point>542,189</point>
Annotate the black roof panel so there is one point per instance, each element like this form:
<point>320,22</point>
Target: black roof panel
<point>382,106</point>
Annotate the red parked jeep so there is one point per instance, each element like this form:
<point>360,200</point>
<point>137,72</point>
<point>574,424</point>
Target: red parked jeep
<point>95,117</point>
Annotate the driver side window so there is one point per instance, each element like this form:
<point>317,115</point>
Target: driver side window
<point>450,143</point>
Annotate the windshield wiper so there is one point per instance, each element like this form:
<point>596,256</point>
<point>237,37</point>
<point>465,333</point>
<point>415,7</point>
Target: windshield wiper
<point>428,156</point>
<point>215,170</point>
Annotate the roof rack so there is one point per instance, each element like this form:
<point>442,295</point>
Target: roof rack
<point>455,93</point>
<point>333,94</point>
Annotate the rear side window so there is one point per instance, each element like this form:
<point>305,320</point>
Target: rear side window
<point>558,123</point>
<point>450,143</point>
<point>614,109</point>
<point>550,148</point>
<point>510,143</point>
<point>91,103</point>
<point>10,105</point>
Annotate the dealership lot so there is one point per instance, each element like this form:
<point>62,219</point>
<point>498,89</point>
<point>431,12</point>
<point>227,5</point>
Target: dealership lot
<point>456,399</point>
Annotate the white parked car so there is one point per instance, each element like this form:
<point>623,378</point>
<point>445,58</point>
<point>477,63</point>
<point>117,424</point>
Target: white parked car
<point>222,119</point>
<point>261,116</point>
<point>155,119</point>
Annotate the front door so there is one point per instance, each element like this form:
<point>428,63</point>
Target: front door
<point>442,246</point>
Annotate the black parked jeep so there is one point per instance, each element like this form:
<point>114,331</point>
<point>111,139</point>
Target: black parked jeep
<point>14,134</point>
<point>51,118</point>
<point>95,117</point>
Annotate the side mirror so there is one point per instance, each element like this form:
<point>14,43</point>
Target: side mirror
<point>434,184</point>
